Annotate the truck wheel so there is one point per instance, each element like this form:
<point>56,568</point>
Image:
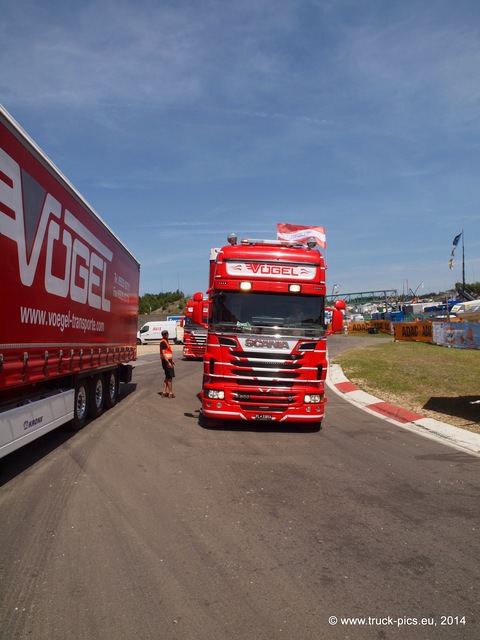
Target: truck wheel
<point>111,389</point>
<point>81,405</point>
<point>97,396</point>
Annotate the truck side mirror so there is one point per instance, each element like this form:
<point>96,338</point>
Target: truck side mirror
<point>198,296</point>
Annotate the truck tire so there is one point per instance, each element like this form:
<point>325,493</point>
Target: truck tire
<point>111,389</point>
<point>81,404</point>
<point>97,396</point>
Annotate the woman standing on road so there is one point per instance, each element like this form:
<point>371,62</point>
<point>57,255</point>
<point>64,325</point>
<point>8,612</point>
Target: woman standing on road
<point>166,355</point>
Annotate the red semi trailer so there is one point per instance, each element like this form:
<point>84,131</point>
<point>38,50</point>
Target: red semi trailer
<point>69,295</point>
<point>266,357</point>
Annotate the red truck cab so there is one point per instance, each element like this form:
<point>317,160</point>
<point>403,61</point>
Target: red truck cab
<point>266,347</point>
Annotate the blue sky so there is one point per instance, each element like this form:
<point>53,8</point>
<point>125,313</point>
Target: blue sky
<point>181,121</point>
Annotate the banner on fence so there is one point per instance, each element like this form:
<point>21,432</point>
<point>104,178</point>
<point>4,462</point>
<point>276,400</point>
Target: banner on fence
<point>417,331</point>
<point>380,326</point>
<point>462,335</point>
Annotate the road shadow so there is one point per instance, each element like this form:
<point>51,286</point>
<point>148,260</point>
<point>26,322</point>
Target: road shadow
<point>126,389</point>
<point>258,426</point>
<point>22,459</point>
<point>465,407</point>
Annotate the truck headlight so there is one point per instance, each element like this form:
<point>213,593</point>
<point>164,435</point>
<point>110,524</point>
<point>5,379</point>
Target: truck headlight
<point>215,394</point>
<point>313,398</point>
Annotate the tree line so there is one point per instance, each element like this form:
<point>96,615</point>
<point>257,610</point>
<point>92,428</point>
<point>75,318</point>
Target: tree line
<point>150,302</point>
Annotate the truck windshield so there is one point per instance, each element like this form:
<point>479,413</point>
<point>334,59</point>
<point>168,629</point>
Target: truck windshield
<point>285,314</point>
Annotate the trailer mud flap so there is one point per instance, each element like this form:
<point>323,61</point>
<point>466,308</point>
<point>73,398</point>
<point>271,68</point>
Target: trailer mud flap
<point>125,372</point>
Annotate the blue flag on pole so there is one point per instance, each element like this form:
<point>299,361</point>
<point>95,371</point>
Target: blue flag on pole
<point>456,240</point>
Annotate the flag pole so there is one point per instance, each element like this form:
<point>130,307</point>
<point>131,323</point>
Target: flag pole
<point>463,267</point>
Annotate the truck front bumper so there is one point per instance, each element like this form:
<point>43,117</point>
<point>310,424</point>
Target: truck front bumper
<point>217,409</point>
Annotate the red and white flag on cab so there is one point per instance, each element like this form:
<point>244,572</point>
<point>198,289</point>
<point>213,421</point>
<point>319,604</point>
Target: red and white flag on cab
<point>296,233</point>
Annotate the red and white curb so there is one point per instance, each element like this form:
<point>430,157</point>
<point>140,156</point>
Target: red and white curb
<point>428,427</point>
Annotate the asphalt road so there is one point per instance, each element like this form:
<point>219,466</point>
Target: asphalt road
<point>146,526</point>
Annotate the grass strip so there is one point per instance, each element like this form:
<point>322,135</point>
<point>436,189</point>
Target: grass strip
<point>436,381</point>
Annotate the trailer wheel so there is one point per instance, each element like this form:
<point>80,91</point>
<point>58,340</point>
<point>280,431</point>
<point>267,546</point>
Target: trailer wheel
<point>111,389</point>
<point>97,396</point>
<point>81,405</point>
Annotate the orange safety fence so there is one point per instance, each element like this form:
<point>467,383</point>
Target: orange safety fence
<point>381,326</point>
<point>418,331</point>
<point>465,335</point>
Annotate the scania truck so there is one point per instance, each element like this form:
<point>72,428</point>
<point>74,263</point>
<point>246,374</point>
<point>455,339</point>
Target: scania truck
<point>266,356</point>
<point>69,295</point>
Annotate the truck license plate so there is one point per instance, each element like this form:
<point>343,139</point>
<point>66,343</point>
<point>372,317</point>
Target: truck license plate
<point>263,416</point>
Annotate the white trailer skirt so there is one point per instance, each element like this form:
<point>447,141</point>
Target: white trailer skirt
<point>20,425</point>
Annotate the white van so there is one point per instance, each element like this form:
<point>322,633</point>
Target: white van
<point>151,332</point>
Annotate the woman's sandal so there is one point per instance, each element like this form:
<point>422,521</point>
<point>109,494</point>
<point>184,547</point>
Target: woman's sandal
<point>171,395</point>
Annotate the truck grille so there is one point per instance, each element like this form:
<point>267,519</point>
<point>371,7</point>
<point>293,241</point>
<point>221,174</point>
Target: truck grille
<point>266,381</point>
<point>273,370</point>
<point>264,401</point>
<point>197,338</point>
